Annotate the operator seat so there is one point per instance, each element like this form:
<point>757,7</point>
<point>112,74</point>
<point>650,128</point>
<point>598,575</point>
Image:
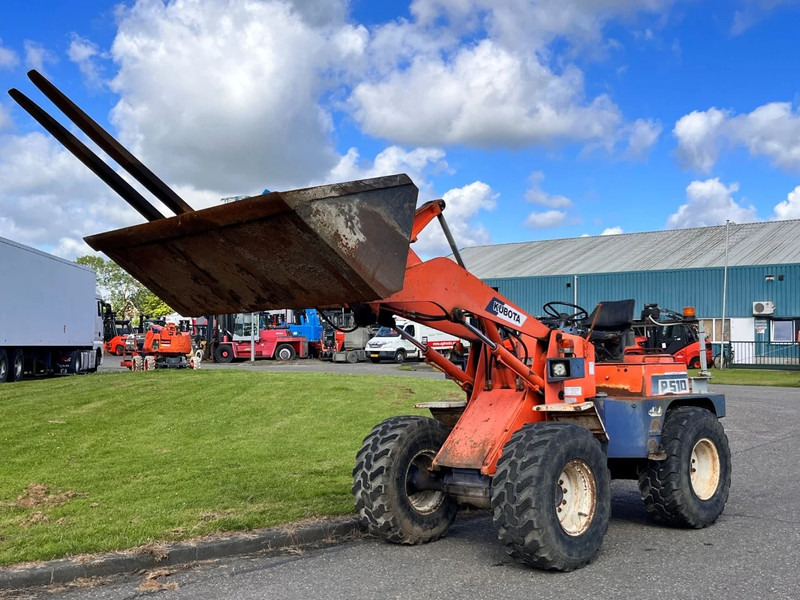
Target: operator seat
<point>609,328</point>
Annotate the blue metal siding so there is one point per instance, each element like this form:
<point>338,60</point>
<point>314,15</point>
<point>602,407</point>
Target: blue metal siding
<point>673,289</point>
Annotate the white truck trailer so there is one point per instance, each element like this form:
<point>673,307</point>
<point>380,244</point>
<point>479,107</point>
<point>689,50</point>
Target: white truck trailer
<point>51,320</point>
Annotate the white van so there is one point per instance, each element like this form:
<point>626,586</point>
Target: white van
<point>387,343</point>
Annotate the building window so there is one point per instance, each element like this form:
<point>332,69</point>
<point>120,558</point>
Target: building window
<point>713,329</point>
<point>783,331</point>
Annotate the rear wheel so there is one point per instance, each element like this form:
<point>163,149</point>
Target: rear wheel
<point>689,488</point>
<point>137,363</point>
<point>285,352</point>
<point>395,455</point>
<point>17,365</point>
<point>351,356</point>
<point>223,353</point>
<point>551,496</point>
<point>400,356</point>
<point>149,363</point>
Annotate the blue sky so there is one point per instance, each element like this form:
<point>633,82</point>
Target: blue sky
<point>533,119</point>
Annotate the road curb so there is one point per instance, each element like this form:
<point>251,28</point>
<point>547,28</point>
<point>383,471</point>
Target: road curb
<point>104,565</point>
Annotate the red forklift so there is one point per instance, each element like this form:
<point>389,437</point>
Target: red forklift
<point>244,335</point>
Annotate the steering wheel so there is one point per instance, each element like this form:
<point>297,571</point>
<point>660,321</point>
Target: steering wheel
<point>565,319</point>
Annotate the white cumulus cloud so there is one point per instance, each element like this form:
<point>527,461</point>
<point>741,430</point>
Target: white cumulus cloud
<point>612,231</point>
<point>537,195</point>
<point>463,206</point>
<point>771,130</point>
<point>710,203</point>
<point>543,220</point>
<point>789,208</point>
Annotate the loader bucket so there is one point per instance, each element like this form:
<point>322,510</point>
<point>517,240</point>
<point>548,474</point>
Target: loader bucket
<point>325,245</point>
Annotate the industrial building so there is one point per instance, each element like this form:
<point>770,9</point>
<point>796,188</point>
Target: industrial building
<point>747,273</point>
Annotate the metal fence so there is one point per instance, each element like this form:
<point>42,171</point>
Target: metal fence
<point>772,355</point>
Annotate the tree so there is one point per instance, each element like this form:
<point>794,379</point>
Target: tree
<point>128,297</point>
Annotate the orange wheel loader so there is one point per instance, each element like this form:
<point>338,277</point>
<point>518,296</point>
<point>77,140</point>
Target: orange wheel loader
<point>551,410</point>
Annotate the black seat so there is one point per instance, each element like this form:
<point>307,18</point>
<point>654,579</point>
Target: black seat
<point>609,328</point>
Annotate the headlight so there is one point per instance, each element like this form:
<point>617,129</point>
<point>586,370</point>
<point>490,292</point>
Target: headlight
<point>559,369</point>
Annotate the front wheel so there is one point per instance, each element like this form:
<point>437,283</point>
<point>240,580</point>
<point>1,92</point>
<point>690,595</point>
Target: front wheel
<point>395,455</point>
<point>690,487</point>
<point>223,353</point>
<point>285,352</point>
<point>400,356</point>
<point>551,496</point>
<point>694,363</point>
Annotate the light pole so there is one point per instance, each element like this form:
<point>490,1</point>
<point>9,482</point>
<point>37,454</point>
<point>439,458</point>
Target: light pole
<point>724,292</point>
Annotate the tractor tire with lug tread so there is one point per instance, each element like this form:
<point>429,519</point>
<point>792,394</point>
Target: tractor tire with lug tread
<point>689,488</point>
<point>137,363</point>
<point>551,496</point>
<point>386,502</point>
<point>223,354</point>
<point>400,356</point>
<point>285,352</point>
<point>17,366</point>
<point>149,363</point>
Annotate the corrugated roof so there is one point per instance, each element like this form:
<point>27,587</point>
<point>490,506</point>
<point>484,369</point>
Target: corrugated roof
<point>767,243</point>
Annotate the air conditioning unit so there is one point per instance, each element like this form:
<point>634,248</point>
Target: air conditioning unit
<point>764,307</point>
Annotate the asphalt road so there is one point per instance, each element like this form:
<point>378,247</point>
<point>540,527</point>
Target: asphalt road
<point>751,552</point>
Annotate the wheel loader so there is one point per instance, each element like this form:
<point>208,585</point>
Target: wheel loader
<point>552,409</point>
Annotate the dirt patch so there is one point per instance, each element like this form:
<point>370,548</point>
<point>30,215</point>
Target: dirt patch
<point>34,519</point>
<point>151,583</point>
<point>38,494</point>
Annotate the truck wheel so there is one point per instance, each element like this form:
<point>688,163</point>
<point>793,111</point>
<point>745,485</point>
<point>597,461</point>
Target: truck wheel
<point>387,502</point>
<point>551,496</point>
<point>17,366</point>
<point>689,488</point>
<point>223,354</point>
<point>285,352</point>
<point>4,370</point>
<point>400,356</point>
<point>351,357</point>
<point>75,363</point>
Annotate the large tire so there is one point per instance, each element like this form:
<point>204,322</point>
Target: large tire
<point>119,350</point>
<point>137,363</point>
<point>5,369</point>
<point>17,366</point>
<point>386,502</point>
<point>285,352</point>
<point>551,496</point>
<point>400,356</point>
<point>695,363</point>
<point>223,354</point>
<point>149,363</point>
<point>689,488</point>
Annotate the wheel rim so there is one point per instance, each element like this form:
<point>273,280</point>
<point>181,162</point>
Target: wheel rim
<point>704,471</point>
<point>284,354</point>
<point>18,367</point>
<point>422,501</point>
<point>576,497</point>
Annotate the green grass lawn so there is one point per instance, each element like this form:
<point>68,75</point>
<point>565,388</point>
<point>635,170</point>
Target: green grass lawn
<point>112,461</point>
<point>754,377</point>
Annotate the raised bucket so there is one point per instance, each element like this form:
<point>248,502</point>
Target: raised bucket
<point>325,245</point>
